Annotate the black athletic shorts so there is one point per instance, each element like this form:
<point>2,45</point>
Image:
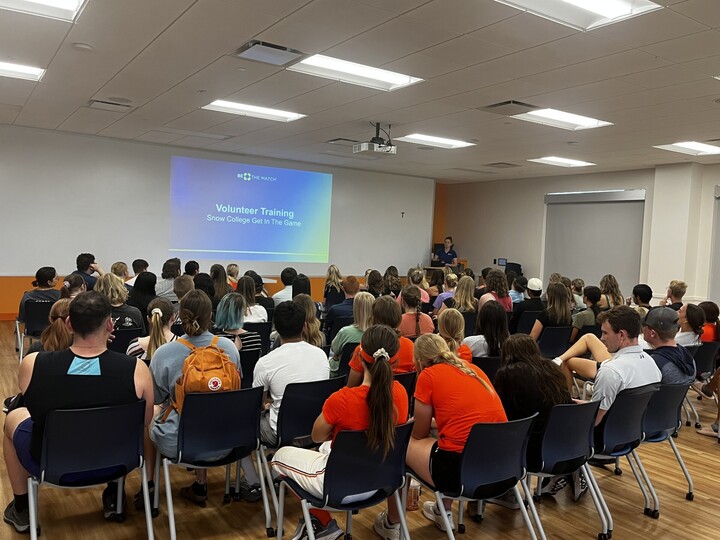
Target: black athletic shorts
<point>445,469</point>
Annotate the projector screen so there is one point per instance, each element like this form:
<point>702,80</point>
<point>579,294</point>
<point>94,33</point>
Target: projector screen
<point>228,210</point>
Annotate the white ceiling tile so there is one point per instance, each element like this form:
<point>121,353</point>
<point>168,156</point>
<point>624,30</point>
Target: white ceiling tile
<point>194,142</point>
<point>578,47</point>
<point>709,66</point>
<point>523,31</point>
<point>687,48</point>
<point>30,40</point>
<point>706,87</point>
<point>158,137</point>
<point>653,27</point>
<point>462,15</point>
<point>8,113</point>
<point>327,97</point>
<point>664,76</point>
<point>396,6</point>
<point>91,121</point>
<point>703,11</point>
<point>15,91</point>
<point>278,87</point>
<point>586,92</point>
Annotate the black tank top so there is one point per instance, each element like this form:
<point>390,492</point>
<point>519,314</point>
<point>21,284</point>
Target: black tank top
<point>64,380</point>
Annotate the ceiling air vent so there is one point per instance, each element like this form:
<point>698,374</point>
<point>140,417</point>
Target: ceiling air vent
<point>341,141</point>
<point>268,53</point>
<point>108,105</point>
<point>509,108</point>
<point>501,165</point>
<point>471,171</point>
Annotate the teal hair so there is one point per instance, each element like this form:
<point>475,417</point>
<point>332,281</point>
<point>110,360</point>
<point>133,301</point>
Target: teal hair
<point>230,313</point>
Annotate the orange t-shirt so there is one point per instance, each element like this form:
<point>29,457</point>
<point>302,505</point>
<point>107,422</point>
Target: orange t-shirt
<point>459,401</point>
<point>709,332</point>
<point>347,409</point>
<point>465,353</point>
<point>402,364</point>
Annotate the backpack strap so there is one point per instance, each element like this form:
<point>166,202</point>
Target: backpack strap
<point>214,341</point>
<point>186,343</point>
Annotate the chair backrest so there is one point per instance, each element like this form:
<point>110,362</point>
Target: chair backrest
<point>408,381</point>
<point>353,467</point>
<point>177,329</point>
<point>37,314</point>
<point>568,438</point>
<point>593,329</point>
<point>526,321</point>
<point>107,440</point>
<point>345,357</point>
<point>489,365</point>
<point>705,357</point>
<point>622,427</point>
<point>662,417</point>
<point>339,323</point>
<point>302,403</point>
<point>248,359</point>
<point>494,457</point>
<point>470,321</point>
<point>262,328</point>
<point>326,349</point>
<point>426,307</point>
<point>219,422</point>
<point>554,340</point>
<point>123,338</point>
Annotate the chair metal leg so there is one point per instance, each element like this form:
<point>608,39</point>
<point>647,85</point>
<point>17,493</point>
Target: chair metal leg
<point>156,480</point>
<point>524,511</point>
<point>591,477</point>
<point>694,411</point>
<point>655,513</point>
<point>443,514</point>
<point>404,532</point>
<point>17,336</point>
<point>281,511</point>
<point>461,512</point>
<point>596,502</point>
<point>168,495</point>
<point>146,500</point>
<point>263,491</point>
<point>238,468</point>
<point>228,474</point>
<point>308,522</point>
<point>639,482</point>
<point>21,346</point>
<point>120,492</point>
<point>33,507</point>
<point>269,478</point>
<point>690,494</point>
<point>533,510</point>
<point>348,524</point>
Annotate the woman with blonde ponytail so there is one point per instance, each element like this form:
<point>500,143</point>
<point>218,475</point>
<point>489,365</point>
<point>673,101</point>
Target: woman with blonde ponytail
<point>160,317</point>
<point>451,327</point>
<point>377,405</point>
<point>458,395</point>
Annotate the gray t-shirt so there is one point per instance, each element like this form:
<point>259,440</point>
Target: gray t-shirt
<point>584,318</point>
<point>629,367</point>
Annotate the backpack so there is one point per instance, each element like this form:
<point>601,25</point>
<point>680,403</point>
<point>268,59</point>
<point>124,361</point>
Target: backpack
<point>206,369</point>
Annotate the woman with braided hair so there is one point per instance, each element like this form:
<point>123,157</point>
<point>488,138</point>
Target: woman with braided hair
<point>414,322</point>
<point>451,327</point>
<point>446,385</point>
<point>377,405</point>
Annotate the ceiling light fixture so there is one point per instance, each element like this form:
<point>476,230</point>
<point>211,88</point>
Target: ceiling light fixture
<point>18,71</point>
<point>561,119</point>
<point>431,140</point>
<point>350,72</point>
<point>64,10</point>
<point>584,14</point>
<point>691,147</point>
<point>561,162</point>
<point>252,110</point>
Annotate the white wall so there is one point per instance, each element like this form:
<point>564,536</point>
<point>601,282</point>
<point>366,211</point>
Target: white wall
<point>507,219</point>
<point>62,194</point>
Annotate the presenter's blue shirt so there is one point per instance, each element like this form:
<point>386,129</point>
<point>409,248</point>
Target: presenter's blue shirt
<point>446,258</point>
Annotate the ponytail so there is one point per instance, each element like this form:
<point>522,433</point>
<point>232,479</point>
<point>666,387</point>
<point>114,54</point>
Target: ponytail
<point>381,431</point>
<point>56,337</point>
<point>161,312</point>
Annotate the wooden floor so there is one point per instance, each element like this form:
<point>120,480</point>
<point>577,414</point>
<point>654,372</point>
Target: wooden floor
<point>78,513</point>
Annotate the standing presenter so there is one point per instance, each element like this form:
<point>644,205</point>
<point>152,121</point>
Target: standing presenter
<point>446,254</point>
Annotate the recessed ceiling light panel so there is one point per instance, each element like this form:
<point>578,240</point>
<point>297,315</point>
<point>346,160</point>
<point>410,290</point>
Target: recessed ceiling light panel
<point>251,110</point>
<point>65,10</point>
<point>584,14</point>
<point>561,162</point>
<point>350,72</point>
<point>561,119</point>
<point>431,140</point>
<point>692,148</point>
<point>18,71</point>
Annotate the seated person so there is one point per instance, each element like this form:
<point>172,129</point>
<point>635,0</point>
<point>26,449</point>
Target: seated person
<point>691,319</point>
<point>712,321</point>
<point>558,312</point>
<point>532,303</point>
<point>446,255</point>
<point>448,291</point>
<point>164,287</point>
<point>254,313</point>
<point>352,333</point>
<point>167,366</point>
<point>414,322</point>
<point>496,288</point>
<point>294,361</point>
<point>86,268</point>
<point>517,291</point>
<point>675,292</point>
<point>610,293</point>
<point>385,310</point>
<point>445,385</point>
<point>181,286</point>
<point>45,280</point>
<point>641,296</point>
<point>463,299</point>
<point>587,317</point>
<point>491,331</point>
<point>417,277</point>
<point>350,286</point>
<point>260,297</point>
<point>287,276</point>
<point>160,319</point>
<point>139,266</point>
<point>83,376</point>
<point>377,405</point>
<point>451,327</point>
<point>124,316</point>
<point>675,361</point>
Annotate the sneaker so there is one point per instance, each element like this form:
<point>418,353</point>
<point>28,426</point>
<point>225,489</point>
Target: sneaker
<point>579,485</point>
<point>299,531</point>
<point>507,500</point>
<point>138,500</point>
<point>110,503</point>
<point>331,531</point>
<point>250,493</point>
<point>194,494</point>
<point>551,486</point>
<point>19,520</point>
<point>384,529</point>
<point>430,511</point>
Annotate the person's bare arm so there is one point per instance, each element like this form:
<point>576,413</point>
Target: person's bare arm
<point>25,372</point>
<point>600,415</point>
<point>321,431</point>
<point>423,420</point>
<point>354,379</point>
<point>144,389</point>
<point>536,330</point>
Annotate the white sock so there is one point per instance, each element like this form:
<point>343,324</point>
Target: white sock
<point>558,361</point>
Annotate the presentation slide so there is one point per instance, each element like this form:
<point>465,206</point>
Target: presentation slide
<point>232,211</point>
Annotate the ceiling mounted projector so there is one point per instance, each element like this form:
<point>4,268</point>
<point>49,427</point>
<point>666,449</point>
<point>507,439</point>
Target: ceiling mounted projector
<point>376,145</point>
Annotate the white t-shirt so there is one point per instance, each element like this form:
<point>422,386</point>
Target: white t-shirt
<point>290,363</point>
<point>257,313</point>
<point>283,295</point>
<point>630,367</point>
<point>477,345</point>
<point>687,339</point>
